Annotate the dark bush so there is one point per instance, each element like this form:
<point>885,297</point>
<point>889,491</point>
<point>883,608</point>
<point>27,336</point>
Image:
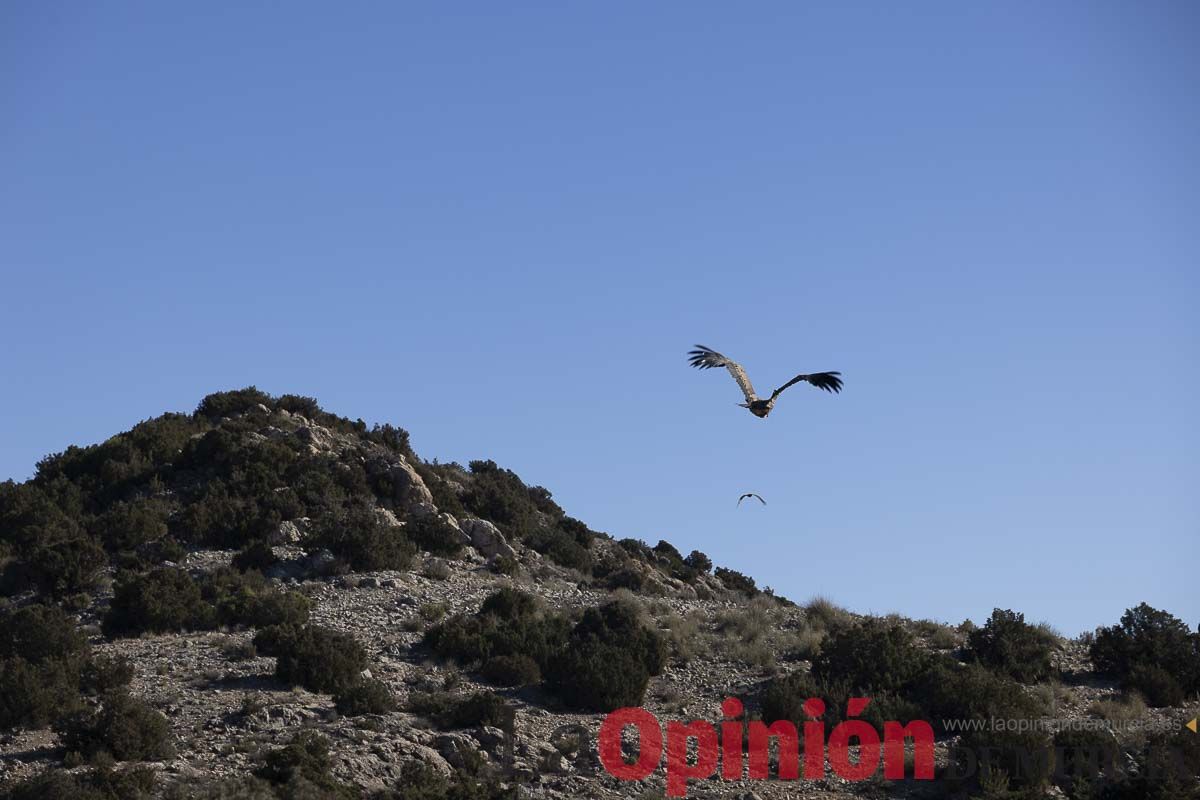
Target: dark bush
<point>1156,685</point>
<point>106,674</point>
<point>625,578</point>
<point>608,660</point>
<point>303,764</point>
<point>509,622</point>
<point>500,496</point>
<point>560,547</point>
<point>1149,638</point>
<point>133,783</point>
<point>1010,645</point>
<point>874,655</point>
<point>65,565</point>
<point>698,562</point>
<point>512,670</point>
<point>367,697</point>
<point>34,695</point>
<point>317,658</point>
<point>736,581</point>
<point>256,555</point>
<point>249,599</point>
<point>434,534</point>
<point>360,536</point>
<point>226,404</point>
<point>165,599</point>
<point>123,726</point>
<point>125,526</point>
<point>449,711</point>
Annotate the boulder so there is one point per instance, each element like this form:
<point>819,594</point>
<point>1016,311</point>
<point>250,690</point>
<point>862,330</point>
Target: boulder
<point>487,538</point>
<point>408,488</point>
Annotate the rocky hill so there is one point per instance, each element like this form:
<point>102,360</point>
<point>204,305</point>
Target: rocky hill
<point>261,599</point>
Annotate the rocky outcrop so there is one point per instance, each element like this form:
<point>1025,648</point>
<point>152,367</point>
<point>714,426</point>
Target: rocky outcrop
<point>487,538</point>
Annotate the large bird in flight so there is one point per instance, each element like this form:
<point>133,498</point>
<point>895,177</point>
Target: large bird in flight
<point>705,358</point>
<point>750,494</point>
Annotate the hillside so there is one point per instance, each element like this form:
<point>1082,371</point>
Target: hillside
<point>261,599</point>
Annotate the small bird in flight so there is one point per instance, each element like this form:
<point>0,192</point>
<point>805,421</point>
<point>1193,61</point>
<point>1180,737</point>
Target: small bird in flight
<point>751,494</point>
<point>704,358</point>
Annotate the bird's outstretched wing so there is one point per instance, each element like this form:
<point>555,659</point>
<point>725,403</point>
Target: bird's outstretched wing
<point>704,358</point>
<point>751,494</point>
<point>829,381</point>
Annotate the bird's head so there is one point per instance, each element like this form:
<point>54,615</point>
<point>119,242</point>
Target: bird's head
<point>743,405</point>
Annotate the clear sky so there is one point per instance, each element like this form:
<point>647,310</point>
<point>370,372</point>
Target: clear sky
<point>502,225</point>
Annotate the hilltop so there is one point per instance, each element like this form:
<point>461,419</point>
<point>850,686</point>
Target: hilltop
<point>262,599</point>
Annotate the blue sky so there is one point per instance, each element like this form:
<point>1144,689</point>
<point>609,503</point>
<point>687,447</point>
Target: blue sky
<point>502,226</point>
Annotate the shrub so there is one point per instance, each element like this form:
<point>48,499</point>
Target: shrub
<point>359,535</point>
<point>512,670</point>
<point>561,548</point>
<point>165,599</point>
<point>509,622</point>
<point>63,566</point>
<point>33,695</point>
<point>608,660</point>
<point>1155,684</point>
<point>303,763</point>
<point>500,496</point>
<point>317,658</point>
<point>1008,644</point>
<point>449,711</point>
<point>1150,638</point>
<point>94,784</point>
<point>367,697</point>
<point>736,581</point>
<point>435,534</point>
<point>249,599</point>
<point>699,562</point>
<point>226,404</point>
<point>106,674</point>
<point>504,565</point>
<point>257,555</point>
<point>124,526</point>
<point>874,655</point>
<point>125,727</point>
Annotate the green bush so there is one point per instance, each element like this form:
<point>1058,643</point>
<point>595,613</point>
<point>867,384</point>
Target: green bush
<point>449,711</point>
<point>133,783</point>
<point>608,660</point>
<point>512,670</point>
<point>106,674</point>
<point>873,656</point>
<point>66,565</point>
<point>434,534</point>
<point>125,526</point>
<point>360,536</point>
<point>1156,686</point>
<point>500,496</point>
<point>560,547</point>
<point>165,599</point>
<point>317,658</point>
<point>302,766</point>
<point>509,623</point>
<point>736,581</point>
<point>255,556</point>
<point>699,562</point>
<point>249,599</point>
<point>1149,638</point>
<point>366,697</point>
<point>226,404</point>
<point>123,726</point>
<point>1010,645</point>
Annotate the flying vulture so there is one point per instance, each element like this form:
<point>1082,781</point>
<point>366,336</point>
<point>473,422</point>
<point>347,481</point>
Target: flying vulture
<point>705,358</point>
<point>751,494</point>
